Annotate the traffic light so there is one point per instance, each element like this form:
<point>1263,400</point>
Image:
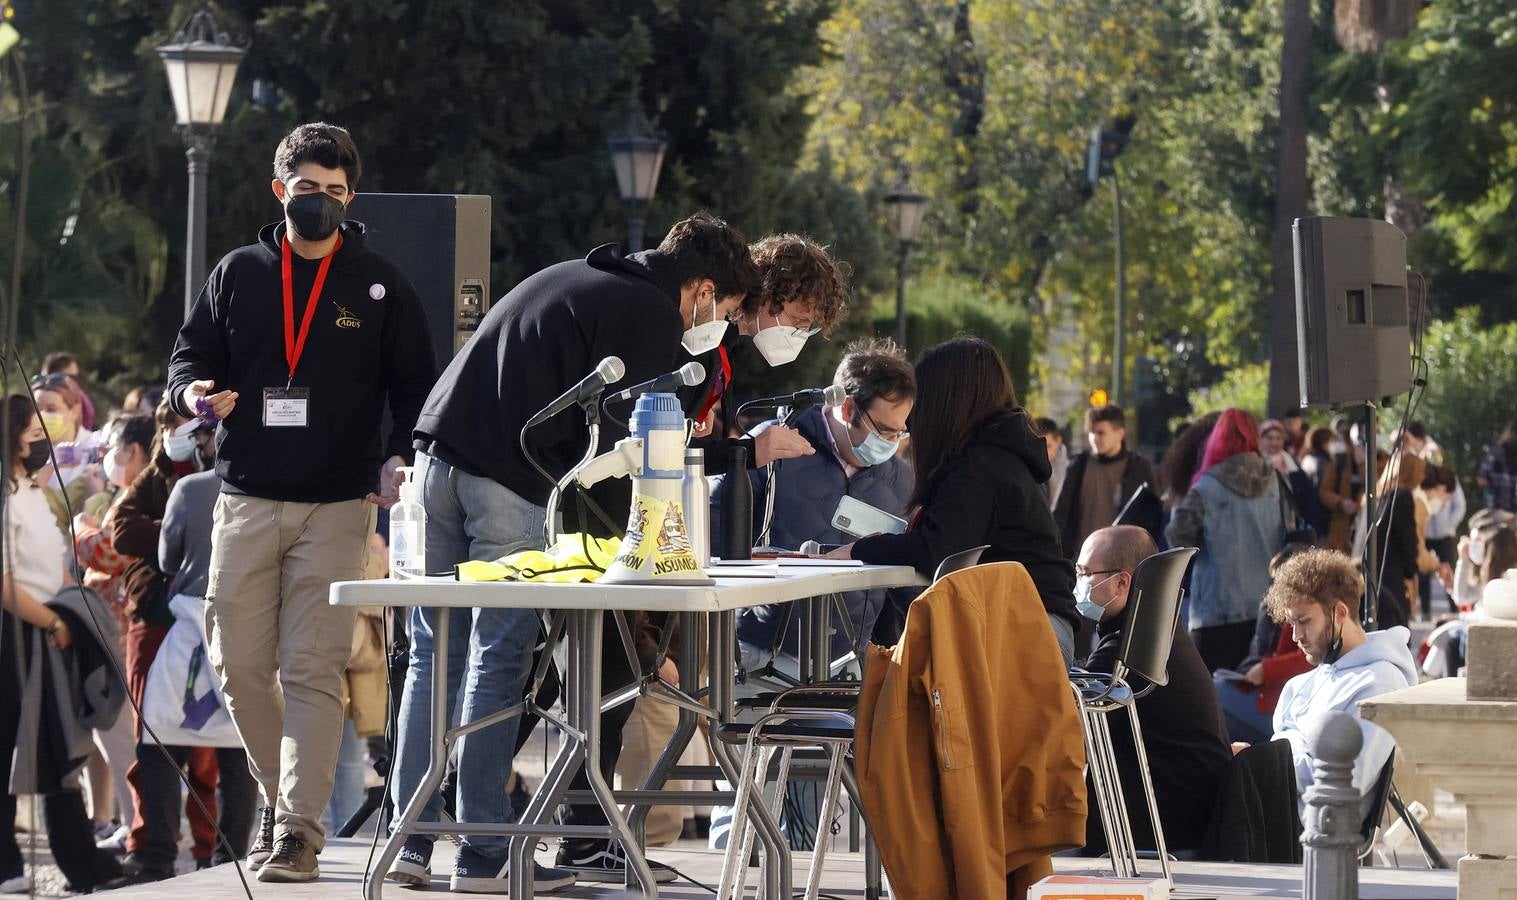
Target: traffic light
<point>1106,144</point>
<point>1099,397</point>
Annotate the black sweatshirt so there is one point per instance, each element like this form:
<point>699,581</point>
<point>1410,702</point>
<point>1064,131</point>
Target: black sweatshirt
<point>362,350</point>
<point>541,338</point>
<point>988,493</point>
<point>1183,735</point>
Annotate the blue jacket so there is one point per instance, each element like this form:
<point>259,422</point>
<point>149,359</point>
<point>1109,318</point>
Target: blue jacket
<point>1235,515</point>
<point>808,491</point>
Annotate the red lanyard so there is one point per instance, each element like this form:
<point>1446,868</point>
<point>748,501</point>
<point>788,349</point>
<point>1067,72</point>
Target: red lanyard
<point>295,346</point>
<point>718,385</point>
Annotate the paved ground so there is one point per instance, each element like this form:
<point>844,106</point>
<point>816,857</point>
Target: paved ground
<point>344,861</point>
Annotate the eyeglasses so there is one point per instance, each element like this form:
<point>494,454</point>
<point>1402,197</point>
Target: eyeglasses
<point>48,382</point>
<point>1082,572</point>
<point>889,434</point>
<point>807,330</point>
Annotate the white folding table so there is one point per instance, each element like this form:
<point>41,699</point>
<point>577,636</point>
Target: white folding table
<point>579,610</point>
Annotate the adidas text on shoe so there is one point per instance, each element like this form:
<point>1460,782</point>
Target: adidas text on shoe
<point>293,860</point>
<point>413,865</point>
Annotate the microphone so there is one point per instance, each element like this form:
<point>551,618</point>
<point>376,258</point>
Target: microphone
<point>609,371</point>
<point>832,395</point>
<point>801,401</point>
<point>688,375</point>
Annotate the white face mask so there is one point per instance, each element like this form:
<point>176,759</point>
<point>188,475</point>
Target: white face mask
<point>707,336</point>
<point>1435,505</point>
<point>780,344</point>
<point>115,469</point>
<point>180,448</point>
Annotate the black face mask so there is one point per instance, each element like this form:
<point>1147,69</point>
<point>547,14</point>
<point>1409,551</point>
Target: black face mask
<point>1335,647</point>
<point>315,216</point>
<point>36,456</point>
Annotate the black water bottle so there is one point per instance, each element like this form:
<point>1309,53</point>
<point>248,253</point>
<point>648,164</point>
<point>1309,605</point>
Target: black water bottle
<point>737,507</point>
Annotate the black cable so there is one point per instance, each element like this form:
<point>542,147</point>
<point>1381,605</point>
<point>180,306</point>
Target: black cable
<point>1413,400</point>
<point>392,726</point>
<point>605,410</point>
<point>521,440</point>
<point>221,837</point>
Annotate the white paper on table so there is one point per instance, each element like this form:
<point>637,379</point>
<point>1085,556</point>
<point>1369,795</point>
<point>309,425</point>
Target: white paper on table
<point>727,570</point>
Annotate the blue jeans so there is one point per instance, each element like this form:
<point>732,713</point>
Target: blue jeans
<point>489,650</point>
<point>1241,711</point>
<point>347,787</point>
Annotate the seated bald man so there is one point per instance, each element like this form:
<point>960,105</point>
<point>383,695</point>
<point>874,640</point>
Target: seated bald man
<point>1182,724</point>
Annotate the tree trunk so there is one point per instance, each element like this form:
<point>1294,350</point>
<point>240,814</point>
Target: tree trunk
<point>1290,202</point>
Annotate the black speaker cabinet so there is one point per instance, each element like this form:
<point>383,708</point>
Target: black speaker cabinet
<point>1352,319</point>
<point>442,242</point>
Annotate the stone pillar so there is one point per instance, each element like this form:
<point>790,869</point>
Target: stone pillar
<point>1331,839</point>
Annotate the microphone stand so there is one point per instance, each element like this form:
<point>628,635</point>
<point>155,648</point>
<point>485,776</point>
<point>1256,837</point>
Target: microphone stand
<point>787,416</point>
<point>591,406</point>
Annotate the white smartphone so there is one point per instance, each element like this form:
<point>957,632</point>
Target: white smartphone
<point>859,519</point>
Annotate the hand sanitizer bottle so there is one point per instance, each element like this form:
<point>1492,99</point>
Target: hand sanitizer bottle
<point>408,530</point>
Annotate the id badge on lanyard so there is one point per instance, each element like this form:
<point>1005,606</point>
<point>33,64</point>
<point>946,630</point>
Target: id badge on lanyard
<point>290,406</point>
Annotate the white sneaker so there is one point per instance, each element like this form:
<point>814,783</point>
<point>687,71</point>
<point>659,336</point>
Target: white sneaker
<point>116,841</point>
<point>21,884</point>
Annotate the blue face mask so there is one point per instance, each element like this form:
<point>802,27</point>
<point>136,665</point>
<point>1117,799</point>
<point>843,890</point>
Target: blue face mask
<point>1087,607</point>
<point>874,450</point>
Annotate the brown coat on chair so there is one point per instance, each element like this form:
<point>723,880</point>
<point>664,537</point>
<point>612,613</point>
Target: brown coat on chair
<point>970,755</point>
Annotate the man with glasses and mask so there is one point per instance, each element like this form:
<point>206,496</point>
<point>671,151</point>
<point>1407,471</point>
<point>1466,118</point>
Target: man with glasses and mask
<point>294,347</point>
<point>1319,592</point>
<point>1183,730</point>
<point>855,446</point>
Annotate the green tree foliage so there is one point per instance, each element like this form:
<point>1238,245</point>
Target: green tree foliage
<point>1436,113</point>
<point>448,96</point>
<point>1472,378</point>
<point>1245,387</point>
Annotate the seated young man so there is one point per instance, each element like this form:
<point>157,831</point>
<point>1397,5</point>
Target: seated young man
<point>1181,721</point>
<point>1319,593</point>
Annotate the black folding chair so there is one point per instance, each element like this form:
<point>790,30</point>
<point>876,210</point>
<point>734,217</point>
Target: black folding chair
<point>961,560</point>
<point>1383,794</point>
<point>1153,612</point>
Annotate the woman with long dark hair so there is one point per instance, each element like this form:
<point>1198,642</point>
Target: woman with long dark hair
<point>1178,468</point>
<point>980,464</point>
<point>34,574</point>
<point>1234,513</point>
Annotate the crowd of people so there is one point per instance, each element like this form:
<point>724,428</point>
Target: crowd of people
<point>211,515</point>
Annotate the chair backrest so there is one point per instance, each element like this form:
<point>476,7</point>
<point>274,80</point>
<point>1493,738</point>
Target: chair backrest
<point>1380,795</point>
<point>1153,610</point>
<point>961,560</point>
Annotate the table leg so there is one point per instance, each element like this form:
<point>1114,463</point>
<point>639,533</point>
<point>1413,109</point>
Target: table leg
<point>571,754</point>
<point>437,766</point>
<point>821,640</point>
<point>590,626</point>
<point>689,676</point>
<point>723,667</point>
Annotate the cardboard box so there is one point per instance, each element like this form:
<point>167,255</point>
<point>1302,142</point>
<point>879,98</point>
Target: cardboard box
<point>1090,887</point>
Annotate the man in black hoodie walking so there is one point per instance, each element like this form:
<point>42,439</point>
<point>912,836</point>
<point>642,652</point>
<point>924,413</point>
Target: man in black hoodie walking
<point>299,452</point>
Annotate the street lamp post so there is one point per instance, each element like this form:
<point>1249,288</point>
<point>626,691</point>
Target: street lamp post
<point>1106,144</point>
<point>905,208</point>
<point>201,65</point>
<point>637,155</point>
